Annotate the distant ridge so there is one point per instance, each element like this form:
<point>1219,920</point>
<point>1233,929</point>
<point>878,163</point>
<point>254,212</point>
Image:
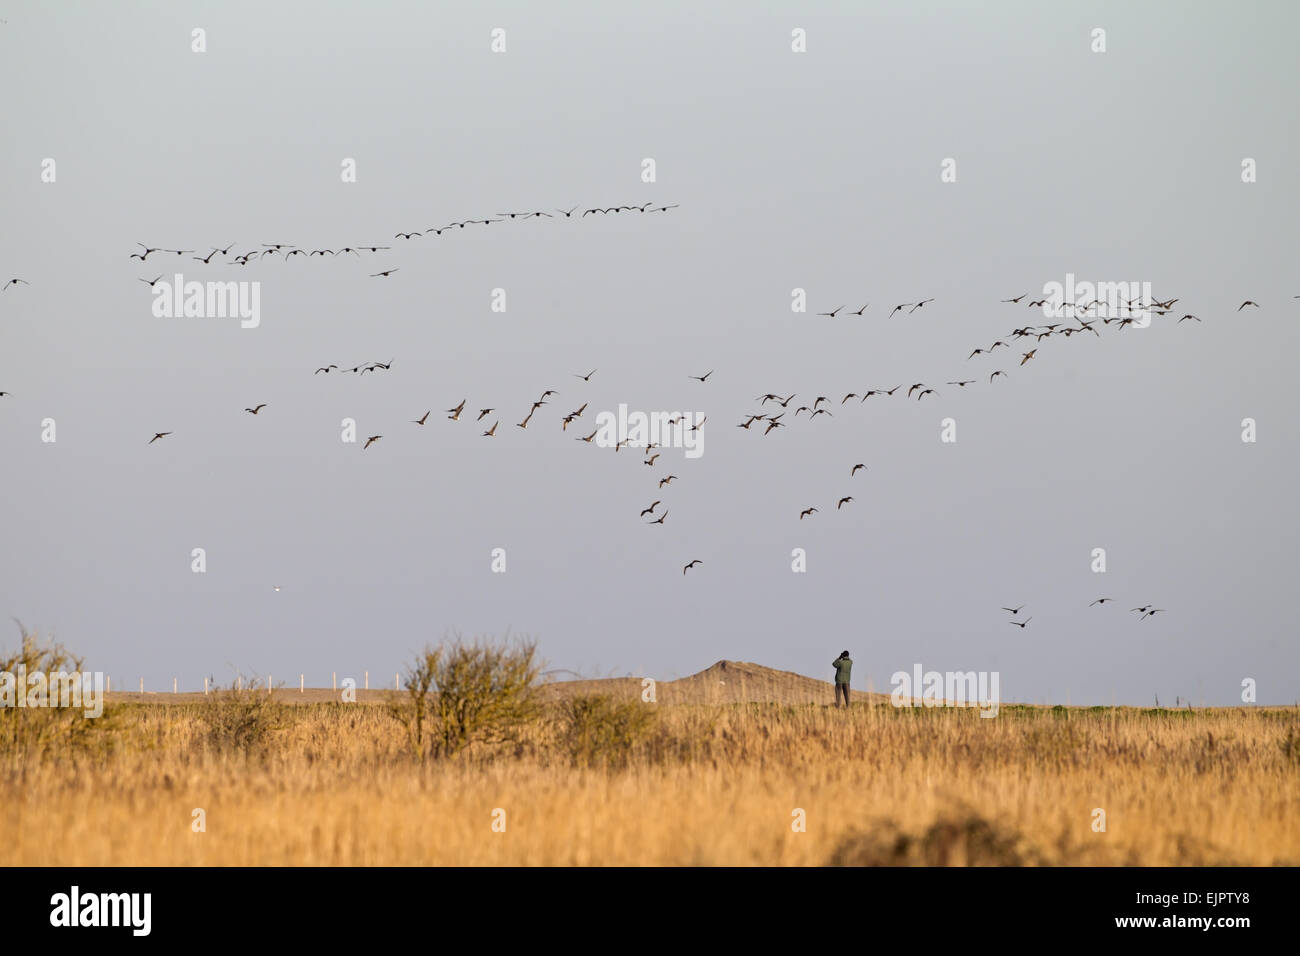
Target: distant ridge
<point>726,682</point>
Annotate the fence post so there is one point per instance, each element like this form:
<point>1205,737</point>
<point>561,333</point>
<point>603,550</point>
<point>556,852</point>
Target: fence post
<point>301,679</point>
<point>396,681</point>
<point>205,687</point>
<point>142,685</point>
<point>269,685</point>
<point>173,685</point>
<point>108,684</point>
<point>367,680</point>
<point>336,679</point>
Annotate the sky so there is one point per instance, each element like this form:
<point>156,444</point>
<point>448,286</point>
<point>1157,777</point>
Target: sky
<point>822,171</point>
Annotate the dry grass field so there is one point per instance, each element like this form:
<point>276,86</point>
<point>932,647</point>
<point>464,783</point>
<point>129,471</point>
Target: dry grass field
<point>712,774</point>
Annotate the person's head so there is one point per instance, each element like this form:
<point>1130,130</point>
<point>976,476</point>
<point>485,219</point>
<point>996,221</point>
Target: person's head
<point>844,653</point>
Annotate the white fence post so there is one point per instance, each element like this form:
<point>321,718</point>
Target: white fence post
<point>173,685</point>
<point>396,681</point>
<point>108,684</point>
<point>142,685</point>
<point>367,680</point>
<point>301,683</point>
<point>336,679</point>
<point>205,687</point>
<point>269,685</point>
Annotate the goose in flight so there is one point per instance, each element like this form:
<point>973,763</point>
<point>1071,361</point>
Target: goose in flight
<point>666,480</point>
<point>483,413</point>
<point>1017,298</point>
<point>807,512</point>
<point>861,310</point>
<point>661,519</point>
<point>843,501</point>
<point>651,460</point>
<point>1028,355</point>
<point>701,378</point>
<point>1101,601</point>
<point>205,259</point>
<point>1014,610</point>
<point>422,419</point>
<point>854,471</point>
<point>254,411</point>
<point>995,375</point>
<point>491,432</point>
<point>25,282</point>
<point>1021,624</point>
<point>454,413</point>
<point>151,282</point>
<point>1246,303</point>
<point>691,565</point>
<point>385,273</point>
<point>918,305</point>
<point>370,441</point>
<point>588,438</point>
<point>587,377</point>
<point>963,384</point>
<point>831,314</point>
<point>1153,611</point>
<point>899,308</point>
<point>158,435</point>
<point>325,369</point>
<point>651,509</point>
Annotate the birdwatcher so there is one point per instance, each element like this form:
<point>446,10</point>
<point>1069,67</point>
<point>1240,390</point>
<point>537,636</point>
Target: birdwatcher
<point>843,666</point>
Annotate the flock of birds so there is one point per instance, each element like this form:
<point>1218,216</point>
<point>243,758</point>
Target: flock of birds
<point>1143,612</point>
<point>1082,318</point>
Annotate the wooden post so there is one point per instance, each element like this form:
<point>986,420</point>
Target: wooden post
<point>108,684</point>
<point>205,687</point>
<point>396,681</point>
<point>336,679</point>
<point>367,680</point>
<point>173,685</point>
<point>142,685</point>
<point>301,683</point>
<point>269,685</point>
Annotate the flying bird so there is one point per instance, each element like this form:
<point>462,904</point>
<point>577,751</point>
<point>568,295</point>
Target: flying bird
<point>325,369</point>
<point>691,565</point>
<point>661,519</point>
<point>831,314</point>
<point>1150,613</point>
<point>1101,601</point>
<point>1028,355</point>
<point>254,411</point>
<point>667,480</point>
<point>806,512</point>
<point>483,412</point>
<point>843,501</point>
<point>1021,624</point>
<point>386,272</point>
<point>422,419</point>
<point>370,441</point>
<point>1014,610</point>
<point>651,509</point>
<point>701,378</point>
<point>158,435</point>
<point>1246,303</point>
<point>855,469</point>
<point>491,432</point>
<point>587,377</point>
<point>454,413</point>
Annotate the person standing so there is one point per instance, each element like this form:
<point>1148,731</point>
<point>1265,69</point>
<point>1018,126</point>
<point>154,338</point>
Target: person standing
<point>843,666</point>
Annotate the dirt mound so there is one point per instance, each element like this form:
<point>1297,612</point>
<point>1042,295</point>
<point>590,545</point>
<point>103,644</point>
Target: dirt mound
<point>726,682</point>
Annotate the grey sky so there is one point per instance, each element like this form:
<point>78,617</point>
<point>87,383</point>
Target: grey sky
<point>818,170</point>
